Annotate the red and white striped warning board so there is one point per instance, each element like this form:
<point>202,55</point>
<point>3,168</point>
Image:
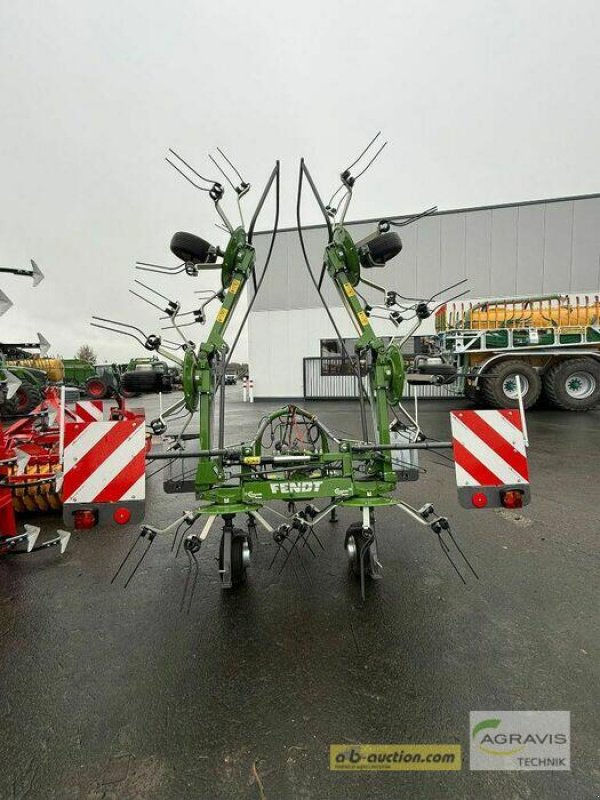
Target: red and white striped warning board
<point>489,455</point>
<point>89,410</point>
<point>104,464</point>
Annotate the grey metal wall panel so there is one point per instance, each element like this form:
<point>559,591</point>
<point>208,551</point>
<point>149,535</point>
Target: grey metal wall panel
<point>453,249</point>
<point>586,246</point>
<point>403,269</point>
<point>530,251</point>
<point>558,247</point>
<point>526,248</point>
<point>503,264</point>
<point>429,256</point>
<point>478,252</point>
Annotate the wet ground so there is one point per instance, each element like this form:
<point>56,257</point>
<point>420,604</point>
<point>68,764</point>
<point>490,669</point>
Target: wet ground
<point>113,693</point>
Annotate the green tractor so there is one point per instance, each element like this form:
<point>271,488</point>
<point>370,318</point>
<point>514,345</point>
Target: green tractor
<point>98,381</point>
<point>28,394</point>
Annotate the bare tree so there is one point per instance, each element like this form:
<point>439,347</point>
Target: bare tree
<point>85,353</point>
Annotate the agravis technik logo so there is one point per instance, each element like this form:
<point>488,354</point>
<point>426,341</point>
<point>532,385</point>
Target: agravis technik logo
<point>520,740</point>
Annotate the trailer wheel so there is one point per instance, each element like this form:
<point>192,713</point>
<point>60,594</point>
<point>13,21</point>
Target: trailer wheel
<point>574,384</point>
<point>500,388</point>
<point>96,388</point>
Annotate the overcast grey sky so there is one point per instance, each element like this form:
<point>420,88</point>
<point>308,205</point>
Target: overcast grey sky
<point>481,101</point>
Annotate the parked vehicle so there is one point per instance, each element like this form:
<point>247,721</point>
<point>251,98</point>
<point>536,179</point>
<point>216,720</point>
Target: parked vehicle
<point>550,344</point>
<point>29,394</point>
<point>99,381</point>
<point>144,375</point>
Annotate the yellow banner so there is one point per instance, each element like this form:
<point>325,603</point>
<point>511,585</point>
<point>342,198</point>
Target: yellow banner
<point>349,290</point>
<point>222,315</point>
<point>394,757</point>
<point>235,285</point>
<point>364,320</point>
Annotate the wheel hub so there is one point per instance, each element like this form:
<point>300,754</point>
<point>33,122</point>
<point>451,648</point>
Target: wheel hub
<point>580,385</point>
<point>510,386</point>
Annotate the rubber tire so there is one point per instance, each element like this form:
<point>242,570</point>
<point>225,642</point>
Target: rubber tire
<point>188,247</point>
<point>238,570</point>
<point>96,395</point>
<point>356,531</point>
<point>491,385</point>
<point>556,376</point>
<point>24,400</point>
<point>385,247</point>
<point>140,381</point>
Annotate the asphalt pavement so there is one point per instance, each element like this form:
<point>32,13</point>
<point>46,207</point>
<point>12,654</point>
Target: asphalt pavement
<point>120,693</point>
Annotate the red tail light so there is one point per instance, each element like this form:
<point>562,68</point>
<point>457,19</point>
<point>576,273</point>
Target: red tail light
<point>85,518</point>
<point>512,498</point>
<point>122,516</point>
<point>479,499</point>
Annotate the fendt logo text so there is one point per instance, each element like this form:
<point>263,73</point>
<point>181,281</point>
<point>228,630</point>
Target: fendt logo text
<point>296,487</point>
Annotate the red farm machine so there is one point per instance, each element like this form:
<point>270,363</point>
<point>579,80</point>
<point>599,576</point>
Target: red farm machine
<point>87,461</point>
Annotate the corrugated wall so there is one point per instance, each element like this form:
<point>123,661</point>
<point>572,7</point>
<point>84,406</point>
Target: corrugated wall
<point>530,248</point>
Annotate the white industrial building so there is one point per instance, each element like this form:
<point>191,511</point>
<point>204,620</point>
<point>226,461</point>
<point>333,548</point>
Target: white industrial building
<point>528,248</point>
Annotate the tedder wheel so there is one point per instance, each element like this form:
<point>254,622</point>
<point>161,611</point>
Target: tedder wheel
<point>240,556</point>
<point>188,247</point>
<point>24,400</point>
<point>384,247</point>
<point>574,384</point>
<point>96,388</point>
<point>500,386</point>
<point>356,540</point>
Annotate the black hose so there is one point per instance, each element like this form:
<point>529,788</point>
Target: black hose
<point>274,176</point>
<point>356,371</point>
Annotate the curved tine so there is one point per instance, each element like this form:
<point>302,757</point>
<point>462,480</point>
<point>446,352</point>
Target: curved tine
<point>231,165</point>
<point>174,327</point>
<point>188,179</point>
<point>335,194</point>
<point>154,291</point>
<point>145,299</point>
<point>415,217</point>
<point>189,166</point>
<point>447,289</point>
<point>362,172</point>
<point>223,173</point>
<point>377,135</point>
<point>122,324</point>
<point>160,266</point>
<point>449,300</point>
<point>114,330</point>
<point>222,227</point>
<point>174,271</point>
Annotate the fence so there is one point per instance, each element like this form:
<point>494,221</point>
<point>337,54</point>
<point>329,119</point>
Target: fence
<point>333,379</point>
